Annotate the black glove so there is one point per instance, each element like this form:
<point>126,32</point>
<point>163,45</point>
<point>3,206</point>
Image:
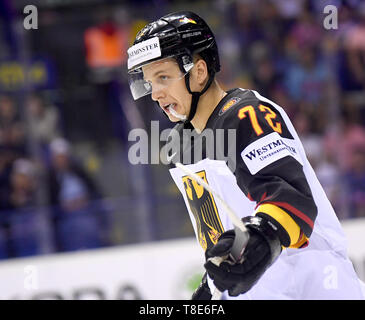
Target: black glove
<point>263,248</point>
<point>203,291</point>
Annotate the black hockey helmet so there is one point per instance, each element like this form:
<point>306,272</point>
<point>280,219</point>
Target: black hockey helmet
<point>177,35</point>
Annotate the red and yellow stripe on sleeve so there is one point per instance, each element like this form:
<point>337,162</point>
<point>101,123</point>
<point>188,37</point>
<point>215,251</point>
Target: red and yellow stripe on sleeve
<point>297,238</point>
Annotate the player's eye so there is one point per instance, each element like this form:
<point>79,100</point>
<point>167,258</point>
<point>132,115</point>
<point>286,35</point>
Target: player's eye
<point>163,78</point>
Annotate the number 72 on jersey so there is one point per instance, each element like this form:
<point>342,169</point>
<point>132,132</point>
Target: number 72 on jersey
<point>269,117</point>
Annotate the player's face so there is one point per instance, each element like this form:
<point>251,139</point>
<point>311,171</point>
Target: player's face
<point>168,87</point>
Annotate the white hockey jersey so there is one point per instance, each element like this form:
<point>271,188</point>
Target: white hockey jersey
<point>265,163</point>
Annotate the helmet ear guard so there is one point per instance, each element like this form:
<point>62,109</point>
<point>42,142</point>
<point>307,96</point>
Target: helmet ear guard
<point>187,62</point>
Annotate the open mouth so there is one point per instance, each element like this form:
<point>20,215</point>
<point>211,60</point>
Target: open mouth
<point>167,108</point>
<point>170,109</point>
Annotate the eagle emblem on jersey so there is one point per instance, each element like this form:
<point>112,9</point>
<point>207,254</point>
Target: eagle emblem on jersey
<point>202,205</point>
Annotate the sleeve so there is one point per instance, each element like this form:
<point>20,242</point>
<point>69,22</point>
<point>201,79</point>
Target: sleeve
<point>269,170</point>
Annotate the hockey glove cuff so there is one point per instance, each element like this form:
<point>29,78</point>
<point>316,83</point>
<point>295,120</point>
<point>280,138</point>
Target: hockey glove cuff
<point>263,248</point>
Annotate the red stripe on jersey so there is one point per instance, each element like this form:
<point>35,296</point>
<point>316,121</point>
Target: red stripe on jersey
<point>263,197</point>
<point>249,197</point>
<point>295,211</point>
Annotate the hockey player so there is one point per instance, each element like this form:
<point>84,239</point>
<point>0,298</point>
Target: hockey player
<point>296,249</point>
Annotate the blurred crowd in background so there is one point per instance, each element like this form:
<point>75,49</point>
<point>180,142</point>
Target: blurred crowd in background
<point>65,113</point>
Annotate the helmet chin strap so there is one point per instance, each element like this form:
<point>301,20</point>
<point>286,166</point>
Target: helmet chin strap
<point>196,96</point>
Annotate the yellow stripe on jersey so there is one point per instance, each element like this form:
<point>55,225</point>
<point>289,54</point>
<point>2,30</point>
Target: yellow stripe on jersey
<point>302,240</point>
<point>283,218</point>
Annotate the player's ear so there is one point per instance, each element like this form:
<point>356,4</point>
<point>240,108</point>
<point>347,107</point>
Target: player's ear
<point>200,72</point>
